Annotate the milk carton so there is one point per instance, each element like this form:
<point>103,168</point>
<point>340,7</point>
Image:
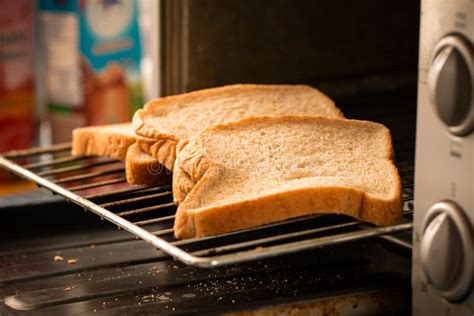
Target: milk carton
<point>91,52</point>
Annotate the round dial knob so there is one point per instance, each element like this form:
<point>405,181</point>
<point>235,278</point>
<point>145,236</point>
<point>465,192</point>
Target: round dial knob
<point>450,82</point>
<point>446,250</point>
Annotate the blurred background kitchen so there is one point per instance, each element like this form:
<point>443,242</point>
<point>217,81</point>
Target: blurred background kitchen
<point>70,63</point>
<point>65,64</point>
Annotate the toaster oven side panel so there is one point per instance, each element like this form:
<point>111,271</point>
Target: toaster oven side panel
<point>444,167</point>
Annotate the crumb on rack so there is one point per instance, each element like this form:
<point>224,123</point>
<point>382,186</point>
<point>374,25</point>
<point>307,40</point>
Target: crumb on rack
<point>72,261</point>
<point>58,259</point>
<point>67,289</point>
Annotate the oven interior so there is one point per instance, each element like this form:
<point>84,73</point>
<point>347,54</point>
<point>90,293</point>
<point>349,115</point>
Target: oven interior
<point>112,272</point>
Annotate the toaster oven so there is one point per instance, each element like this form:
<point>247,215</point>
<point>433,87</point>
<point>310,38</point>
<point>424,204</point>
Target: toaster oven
<point>57,259</point>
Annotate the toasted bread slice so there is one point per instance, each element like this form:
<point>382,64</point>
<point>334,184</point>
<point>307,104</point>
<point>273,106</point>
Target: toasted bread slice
<point>143,169</point>
<point>118,141</point>
<point>268,169</point>
<point>170,119</point>
<point>103,140</point>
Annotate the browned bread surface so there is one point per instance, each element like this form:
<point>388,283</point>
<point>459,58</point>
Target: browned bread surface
<point>118,141</point>
<point>262,170</point>
<point>174,118</point>
<point>143,169</point>
<point>103,140</point>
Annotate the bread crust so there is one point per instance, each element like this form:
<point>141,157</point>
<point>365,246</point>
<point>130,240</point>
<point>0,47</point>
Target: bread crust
<point>92,141</point>
<point>282,206</point>
<point>160,104</point>
<point>192,178</point>
<point>142,169</point>
<point>118,141</point>
<point>164,148</point>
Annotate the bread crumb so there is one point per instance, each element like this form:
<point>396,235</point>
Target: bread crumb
<point>58,259</point>
<point>72,261</point>
<point>67,289</point>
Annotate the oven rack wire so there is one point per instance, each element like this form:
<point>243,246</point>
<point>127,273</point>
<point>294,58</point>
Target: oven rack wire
<point>152,216</point>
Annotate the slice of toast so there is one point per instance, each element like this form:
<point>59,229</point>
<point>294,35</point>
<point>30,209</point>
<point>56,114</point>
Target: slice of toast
<point>268,169</point>
<point>103,140</point>
<point>143,169</point>
<point>170,119</point>
<point>118,141</point>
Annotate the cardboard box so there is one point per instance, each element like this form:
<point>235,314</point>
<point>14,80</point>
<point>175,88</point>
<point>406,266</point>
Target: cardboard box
<point>92,54</point>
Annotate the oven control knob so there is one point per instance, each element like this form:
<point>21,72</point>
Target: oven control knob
<point>450,82</point>
<point>446,250</point>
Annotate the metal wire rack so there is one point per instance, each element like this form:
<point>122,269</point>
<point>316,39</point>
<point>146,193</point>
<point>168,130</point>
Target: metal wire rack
<point>99,185</point>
